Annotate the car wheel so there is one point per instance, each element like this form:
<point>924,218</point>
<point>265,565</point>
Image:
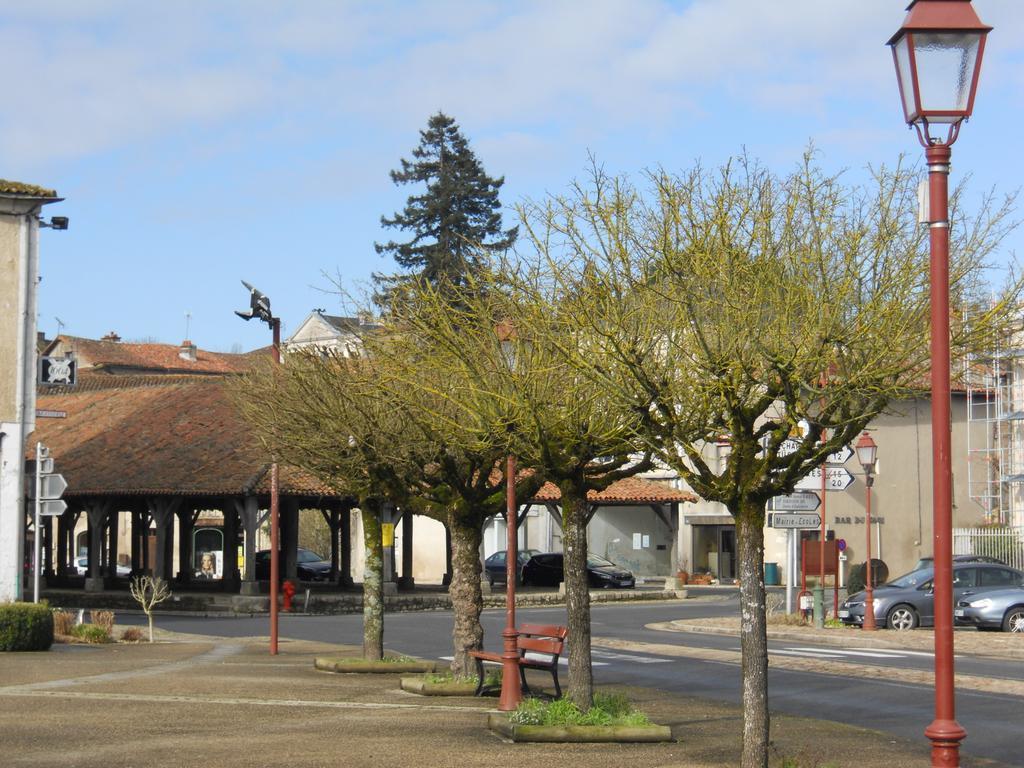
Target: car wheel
<point>901,617</point>
<point>1014,620</point>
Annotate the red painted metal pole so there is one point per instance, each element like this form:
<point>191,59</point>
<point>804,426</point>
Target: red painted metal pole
<point>945,732</point>
<point>511,688</point>
<point>869,597</point>
<point>275,569</point>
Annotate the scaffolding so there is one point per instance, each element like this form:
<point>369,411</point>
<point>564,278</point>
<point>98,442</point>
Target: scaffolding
<point>995,434</point>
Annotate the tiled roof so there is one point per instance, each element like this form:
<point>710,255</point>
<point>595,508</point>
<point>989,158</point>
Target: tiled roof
<point>631,490</point>
<point>28,190</point>
<point>159,358</point>
<point>162,435</point>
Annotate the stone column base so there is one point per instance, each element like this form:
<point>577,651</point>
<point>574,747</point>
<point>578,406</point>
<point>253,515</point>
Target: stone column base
<point>406,583</point>
<point>97,584</point>
<point>250,588</point>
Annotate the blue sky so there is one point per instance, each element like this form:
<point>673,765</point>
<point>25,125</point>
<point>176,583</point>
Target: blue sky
<point>200,143</point>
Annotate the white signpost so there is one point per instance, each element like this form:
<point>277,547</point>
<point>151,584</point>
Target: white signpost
<point>801,501</point>
<point>836,479</point>
<point>50,486</point>
<point>798,521</point>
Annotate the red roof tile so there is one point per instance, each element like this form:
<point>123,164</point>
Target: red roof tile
<point>632,490</point>
<point>119,357</point>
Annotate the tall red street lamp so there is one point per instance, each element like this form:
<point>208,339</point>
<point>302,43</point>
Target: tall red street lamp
<point>259,307</point>
<point>511,687</point>
<point>867,453</point>
<point>938,53</point>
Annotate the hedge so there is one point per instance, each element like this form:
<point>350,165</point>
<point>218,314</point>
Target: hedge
<point>25,627</point>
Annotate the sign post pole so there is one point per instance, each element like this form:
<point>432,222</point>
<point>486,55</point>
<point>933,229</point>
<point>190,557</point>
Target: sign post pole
<point>36,537</point>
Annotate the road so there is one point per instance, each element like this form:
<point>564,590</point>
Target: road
<point>835,684</point>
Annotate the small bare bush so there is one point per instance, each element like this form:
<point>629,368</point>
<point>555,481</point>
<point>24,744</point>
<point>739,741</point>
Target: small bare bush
<point>63,622</point>
<point>773,604</point>
<point>132,635</point>
<point>148,592</point>
<point>103,619</point>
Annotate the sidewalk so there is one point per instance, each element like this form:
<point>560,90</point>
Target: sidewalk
<point>219,702</point>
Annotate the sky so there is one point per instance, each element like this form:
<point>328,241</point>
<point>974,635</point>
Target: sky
<point>200,143</point>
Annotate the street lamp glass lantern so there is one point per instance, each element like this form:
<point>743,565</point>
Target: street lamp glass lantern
<point>938,53</point>
<point>867,452</point>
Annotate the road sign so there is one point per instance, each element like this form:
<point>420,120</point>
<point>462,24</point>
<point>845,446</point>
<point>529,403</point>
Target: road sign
<point>52,507</point>
<point>841,456</point>
<point>796,502</point>
<point>799,520</point>
<point>841,544</point>
<point>836,479</point>
<point>52,486</point>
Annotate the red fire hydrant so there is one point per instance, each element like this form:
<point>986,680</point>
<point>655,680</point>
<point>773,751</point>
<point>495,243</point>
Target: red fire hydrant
<point>288,591</point>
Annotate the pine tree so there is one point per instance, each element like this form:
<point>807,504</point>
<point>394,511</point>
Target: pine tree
<point>453,223</point>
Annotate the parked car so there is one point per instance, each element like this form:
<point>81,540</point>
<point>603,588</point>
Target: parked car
<point>926,562</point>
<point>82,566</point>
<point>548,570</point>
<point>999,609</point>
<point>311,567</point>
<point>494,566</point>
<point>909,601</point>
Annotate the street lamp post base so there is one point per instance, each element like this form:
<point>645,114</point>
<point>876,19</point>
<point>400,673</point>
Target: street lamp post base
<point>945,736</point>
<point>511,687</point>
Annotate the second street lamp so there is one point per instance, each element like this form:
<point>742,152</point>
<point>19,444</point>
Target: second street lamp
<point>937,53</point>
<point>259,307</point>
<point>867,454</point>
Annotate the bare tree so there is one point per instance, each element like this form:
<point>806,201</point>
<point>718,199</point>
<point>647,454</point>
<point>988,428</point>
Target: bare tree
<point>148,592</point>
<point>742,307</point>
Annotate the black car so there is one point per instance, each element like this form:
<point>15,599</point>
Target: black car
<point>311,567</point>
<point>548,570</point>
<point>494,566</point>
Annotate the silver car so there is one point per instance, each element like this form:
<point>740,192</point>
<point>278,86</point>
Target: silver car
<point>999,609</point>
<point>909,601</point>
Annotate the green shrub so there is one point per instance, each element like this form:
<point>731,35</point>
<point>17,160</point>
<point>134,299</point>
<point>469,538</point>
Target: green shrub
<point>91,633</point>
<point>855,581</point>
<point>608,709</point>
<point>25,627</point>
<point>103,619</point>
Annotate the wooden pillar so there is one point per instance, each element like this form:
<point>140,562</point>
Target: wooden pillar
<point>248,510</point>
<point>229,570</point>
<point>162,509</point>
<point>47,545</point>
<point>407,581</point>
<point>113,527</point>
<point>290,539</point>
<point>346,545</point>
<point>186,525</point>
<point>96,512</point>
<point>332,517</point>
<point>447,578</point>
<point>62,542</point>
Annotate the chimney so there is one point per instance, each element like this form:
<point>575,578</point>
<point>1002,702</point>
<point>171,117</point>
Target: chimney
<point>112,336</point>
<point>187,351</point>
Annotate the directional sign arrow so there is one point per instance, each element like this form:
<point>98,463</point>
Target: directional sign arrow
<point>841,456</point>
<point>796,502</point>
<point>52,507</point>
<point>801,520</point>
<point>836,479</point>
<point>52,486</point>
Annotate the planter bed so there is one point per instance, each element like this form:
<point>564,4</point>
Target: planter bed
<point>336,664</point>
<point>425,687</point>
<point>622,734</point>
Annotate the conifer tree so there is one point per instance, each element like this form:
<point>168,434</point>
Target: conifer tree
<point>453,222</point>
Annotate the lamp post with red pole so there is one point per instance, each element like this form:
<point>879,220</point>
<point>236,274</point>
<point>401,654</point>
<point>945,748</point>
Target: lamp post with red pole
<point>511,686</point>
<point>259,307</point>
<point>938,53</point>
<point>867,453</point>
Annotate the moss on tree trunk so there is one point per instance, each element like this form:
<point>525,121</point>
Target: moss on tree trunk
<point>577,593</point>
<point>753,635</point>
<point>467,601</point>
<point>373,584</point>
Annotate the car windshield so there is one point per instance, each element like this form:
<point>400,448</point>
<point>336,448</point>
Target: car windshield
<point>305,556</point>
<point>596,561</point>
<point>912,579</point>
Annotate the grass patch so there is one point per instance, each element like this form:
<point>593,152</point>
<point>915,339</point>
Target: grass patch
<point>91,633</point>
<point>608,709</point>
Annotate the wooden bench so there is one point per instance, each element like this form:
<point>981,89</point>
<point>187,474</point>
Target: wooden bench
<point>544,640</point>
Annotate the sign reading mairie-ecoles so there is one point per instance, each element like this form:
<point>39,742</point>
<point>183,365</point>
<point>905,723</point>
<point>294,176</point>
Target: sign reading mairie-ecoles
<point>799,520</point>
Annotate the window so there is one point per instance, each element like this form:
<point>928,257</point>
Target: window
<point>998,577</point>
<point>965,577</point>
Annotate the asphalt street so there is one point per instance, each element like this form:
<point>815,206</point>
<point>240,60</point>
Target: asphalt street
<point>835,685</point>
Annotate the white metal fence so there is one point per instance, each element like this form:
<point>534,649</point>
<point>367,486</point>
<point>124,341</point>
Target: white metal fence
<point>1006,544</point>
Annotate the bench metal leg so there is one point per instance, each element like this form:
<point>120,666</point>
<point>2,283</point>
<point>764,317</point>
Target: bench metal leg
<point>479,678</point>
<point>554,676</point>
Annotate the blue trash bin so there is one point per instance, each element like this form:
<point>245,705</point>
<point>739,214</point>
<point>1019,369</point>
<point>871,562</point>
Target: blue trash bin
<point>771,574</point>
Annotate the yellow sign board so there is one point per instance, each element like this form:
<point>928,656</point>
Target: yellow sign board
<point>388,534</point>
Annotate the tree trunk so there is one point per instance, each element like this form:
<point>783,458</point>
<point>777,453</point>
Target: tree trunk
<point>373,584</point>
<point>577,594</point>
<point>467,601</point>
<point>753,636</point>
